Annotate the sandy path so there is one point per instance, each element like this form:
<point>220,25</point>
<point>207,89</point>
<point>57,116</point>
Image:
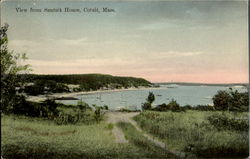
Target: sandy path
<point>115,117</point>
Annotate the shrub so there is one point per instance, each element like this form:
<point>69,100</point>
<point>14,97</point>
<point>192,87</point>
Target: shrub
<point>82,113</point>
<point>23,107</point>
<point>172,105</point>
<point>98,114</point>
<point>146,106</point>
<point>75,116</point>
<point>231,101</point>
<point>204,108</point>
<point>187,107</point>
<point>83,106</point>
<point>49,109</point>
<point>161,107</point>
<point>106,107</point>
<point>66,118</point>
<point>221,100</point>
<point>223,122</point>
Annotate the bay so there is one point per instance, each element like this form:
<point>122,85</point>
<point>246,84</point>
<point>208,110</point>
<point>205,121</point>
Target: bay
<point>133,99</point>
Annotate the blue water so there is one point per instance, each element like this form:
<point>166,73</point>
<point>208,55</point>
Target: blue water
<point>192,95</point>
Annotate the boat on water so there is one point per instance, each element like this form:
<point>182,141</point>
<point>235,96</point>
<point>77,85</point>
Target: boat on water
<point>172,86</point>
<point>208,97</point>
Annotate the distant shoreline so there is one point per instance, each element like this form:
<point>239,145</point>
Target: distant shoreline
<point>68,95</point>
<point>203,84</point>
<point>41,98</point>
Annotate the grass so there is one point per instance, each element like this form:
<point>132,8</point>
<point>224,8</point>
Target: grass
<point>36,138</point>
<point>192,133</point>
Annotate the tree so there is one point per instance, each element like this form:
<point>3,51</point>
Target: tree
<point>10,67</point>
<point>150,100</point>
<point>231,100</point>
<point>151,97</point>
<point>221,100</point>
<point>238,101</point>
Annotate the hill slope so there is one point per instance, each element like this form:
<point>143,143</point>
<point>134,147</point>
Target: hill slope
<point>89,81</point>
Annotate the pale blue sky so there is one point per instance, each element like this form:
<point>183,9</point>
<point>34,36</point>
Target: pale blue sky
<point>194,41</point>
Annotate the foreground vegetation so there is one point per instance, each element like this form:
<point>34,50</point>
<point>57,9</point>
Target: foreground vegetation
<point>24,137</point>
<point>203,133</point>
<point>36,138</point>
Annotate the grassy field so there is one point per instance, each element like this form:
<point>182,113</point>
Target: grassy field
<point>189,132</point>
<point>37,138</point>
<point>192,133</point>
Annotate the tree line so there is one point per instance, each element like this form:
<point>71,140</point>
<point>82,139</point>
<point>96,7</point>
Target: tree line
<point>39,84</point>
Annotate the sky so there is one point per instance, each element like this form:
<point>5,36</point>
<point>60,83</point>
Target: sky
<point>164,41</point>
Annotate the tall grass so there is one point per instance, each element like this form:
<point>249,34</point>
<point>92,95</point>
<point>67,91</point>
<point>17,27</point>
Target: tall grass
<point>36,138</point>
<point>192,133</point>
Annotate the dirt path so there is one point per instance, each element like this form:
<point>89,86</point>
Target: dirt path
<point>115,117</point>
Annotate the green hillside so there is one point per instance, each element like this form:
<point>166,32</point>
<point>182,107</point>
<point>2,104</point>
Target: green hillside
<point>83,82</point>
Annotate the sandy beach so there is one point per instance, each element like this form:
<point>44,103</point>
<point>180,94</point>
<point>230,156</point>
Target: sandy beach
<point>41,98</point>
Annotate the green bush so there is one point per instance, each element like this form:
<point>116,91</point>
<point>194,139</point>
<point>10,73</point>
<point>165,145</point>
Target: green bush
<point>171,106</point>
<point>106,107</point>
<point>98,113</point>
<point>231,100</point>
<point>204,107</point>
<point>47,109</point>
<point>81,113</point>
<point>223,122</point>
<point>83,106</point>
<point>221,100</point>
<point>146,106</point>
<point>187,107</point>
<point>23,107</point>
<point>66,118</point>
<point>74,117</point>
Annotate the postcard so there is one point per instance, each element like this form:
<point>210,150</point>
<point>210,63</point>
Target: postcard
<point>124,79</point>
